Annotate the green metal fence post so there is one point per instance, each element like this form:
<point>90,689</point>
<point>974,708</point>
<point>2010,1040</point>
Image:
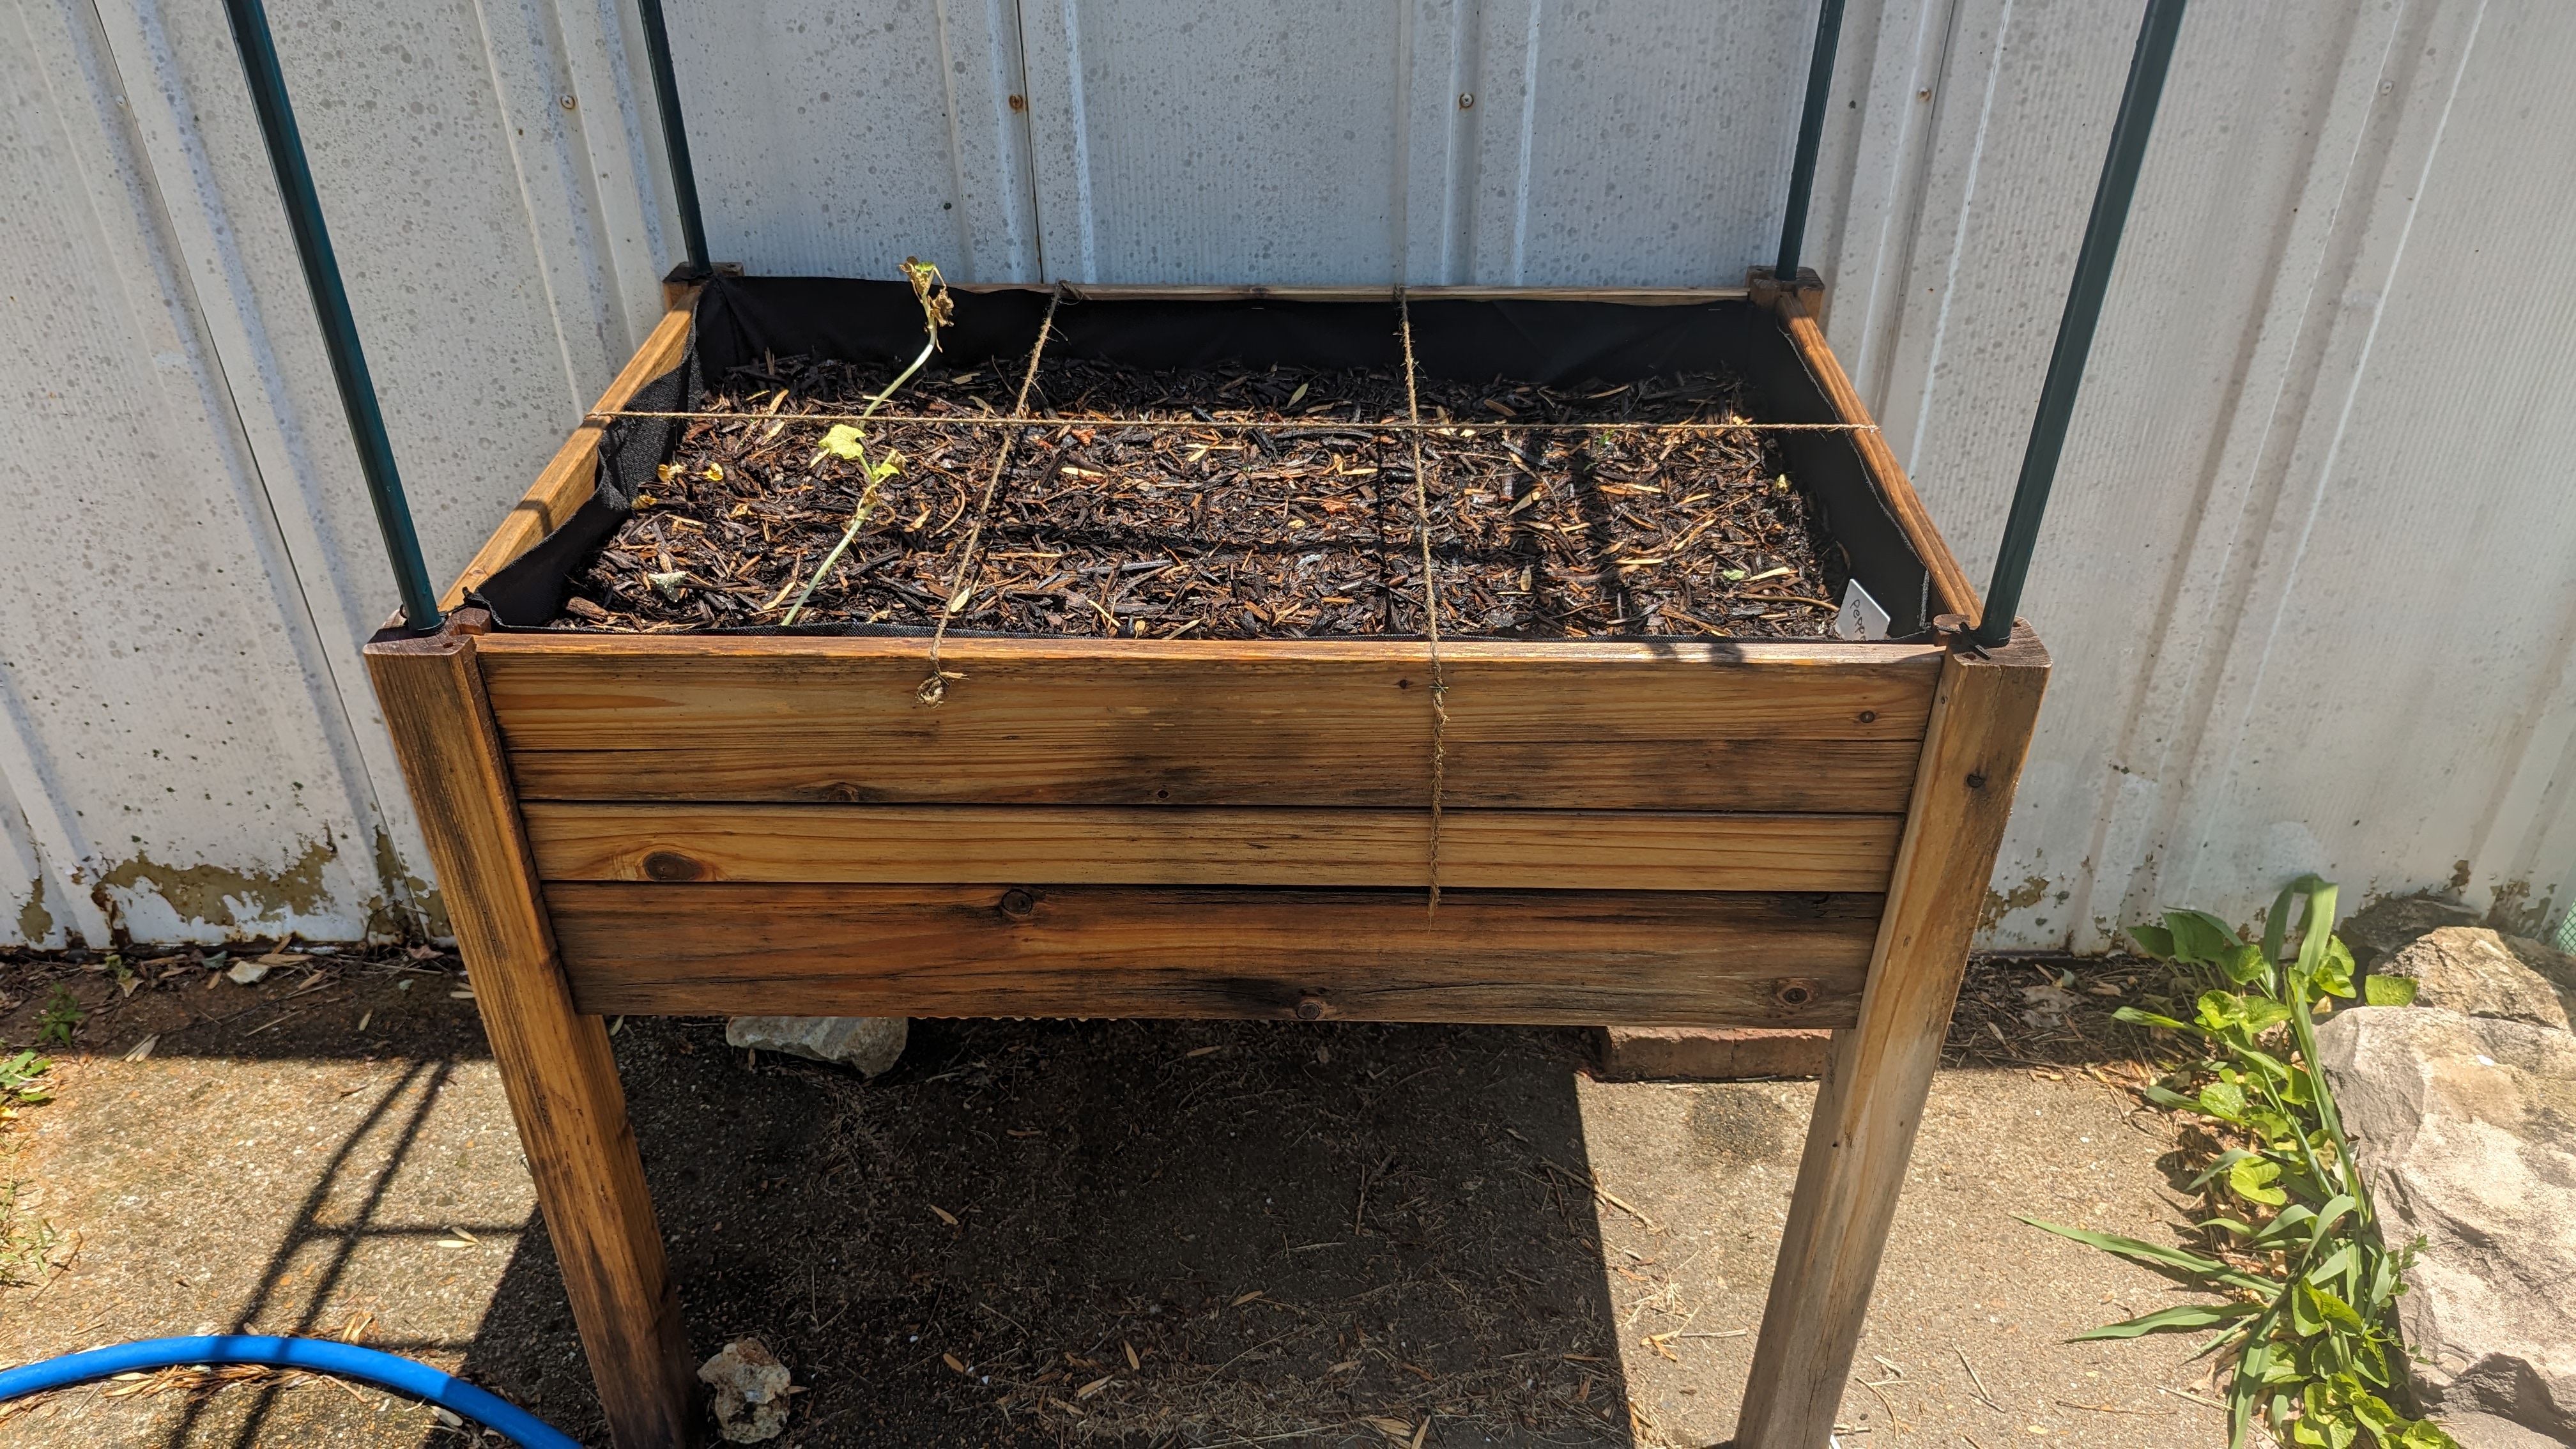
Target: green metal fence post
<point>2147,66</point>
<point>331,304</point>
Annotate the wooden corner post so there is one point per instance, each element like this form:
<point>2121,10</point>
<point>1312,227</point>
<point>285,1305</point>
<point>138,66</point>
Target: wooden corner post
<point>1871,1099</point>
<point>555,1062</point>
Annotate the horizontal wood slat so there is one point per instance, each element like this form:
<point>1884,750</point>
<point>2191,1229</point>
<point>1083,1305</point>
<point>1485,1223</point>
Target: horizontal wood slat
<point>1109,720</point>
<point>1540,957</point>
<point>1112,845</point>
<point>1859,776</point>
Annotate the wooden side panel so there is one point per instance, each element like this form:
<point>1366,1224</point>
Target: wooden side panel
<point>1864,776</point>
<point>565,483</point>
<point>1951,591</point>
<point>555,1062</point>
<point>1871,1099</point>
<point>1091,845</point>
<point>576,691</point>
<point>1544,957</point>
<point>1063,721</point>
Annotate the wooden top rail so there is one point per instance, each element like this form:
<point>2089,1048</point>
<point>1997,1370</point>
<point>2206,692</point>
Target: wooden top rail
<point>565,483</point>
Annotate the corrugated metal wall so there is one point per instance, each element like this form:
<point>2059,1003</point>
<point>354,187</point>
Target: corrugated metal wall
<point>2310,578</point>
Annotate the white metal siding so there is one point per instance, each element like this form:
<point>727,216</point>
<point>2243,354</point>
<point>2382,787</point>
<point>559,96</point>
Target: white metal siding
<point>2310,575</point>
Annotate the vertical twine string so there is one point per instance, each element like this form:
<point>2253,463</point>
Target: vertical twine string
<point>935,688</point>
<point>1430,603</point>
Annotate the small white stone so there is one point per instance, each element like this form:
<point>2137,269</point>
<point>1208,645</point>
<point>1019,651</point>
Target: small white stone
<point>751,1391</point>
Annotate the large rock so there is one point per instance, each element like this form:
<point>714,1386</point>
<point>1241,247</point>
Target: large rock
<point>2384,928</point>
<point>869,1043</point>
<point>2546,959</point>
<point>2464,1128</point>
<point>2474,971</point>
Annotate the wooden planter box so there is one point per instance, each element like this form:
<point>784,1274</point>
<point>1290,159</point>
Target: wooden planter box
<point>1656,832</point>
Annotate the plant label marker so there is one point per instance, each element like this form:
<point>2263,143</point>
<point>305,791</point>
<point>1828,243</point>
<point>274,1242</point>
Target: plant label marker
<point>1861,616</point>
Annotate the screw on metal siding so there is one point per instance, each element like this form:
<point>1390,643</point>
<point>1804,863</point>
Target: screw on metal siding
<point>1466,100</point>
<point>1019,103</point>
<point>567,101</point>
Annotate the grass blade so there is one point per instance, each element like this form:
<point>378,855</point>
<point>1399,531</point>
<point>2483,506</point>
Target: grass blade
<point>2170,1320</point>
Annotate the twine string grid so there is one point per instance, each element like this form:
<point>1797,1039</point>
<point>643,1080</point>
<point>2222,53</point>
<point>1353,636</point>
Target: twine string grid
<point>964,577</point>
<point>935,688</point>
<point>1466,426</point>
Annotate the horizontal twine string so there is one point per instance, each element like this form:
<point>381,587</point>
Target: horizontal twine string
<point>999,420</point>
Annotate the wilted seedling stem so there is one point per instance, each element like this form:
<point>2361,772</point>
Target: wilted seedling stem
<point>845,442</point>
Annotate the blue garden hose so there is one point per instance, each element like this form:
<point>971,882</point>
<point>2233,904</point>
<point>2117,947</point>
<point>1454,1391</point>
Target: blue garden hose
<point>314,1355</point>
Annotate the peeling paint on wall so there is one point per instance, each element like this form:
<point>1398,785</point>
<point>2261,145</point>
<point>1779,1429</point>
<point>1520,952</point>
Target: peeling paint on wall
<point>35,923</point>
<point>2513,911</point>
<point>2031,891</point>
<point>221,896</point>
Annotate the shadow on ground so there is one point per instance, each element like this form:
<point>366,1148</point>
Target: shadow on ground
<point>1215,1232</point>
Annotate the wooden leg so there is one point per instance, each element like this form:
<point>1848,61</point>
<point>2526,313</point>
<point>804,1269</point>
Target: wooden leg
<point>1871,1098</point>
<point>555,1062</point>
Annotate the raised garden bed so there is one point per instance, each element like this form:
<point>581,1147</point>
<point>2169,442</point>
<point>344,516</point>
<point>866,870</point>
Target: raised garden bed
<point>1640,791</point>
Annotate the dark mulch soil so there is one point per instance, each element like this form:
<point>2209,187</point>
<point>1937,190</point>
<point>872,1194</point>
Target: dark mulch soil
<point>1274,505</point>
<point>2046,1012</point>
<point>1131,1231</point>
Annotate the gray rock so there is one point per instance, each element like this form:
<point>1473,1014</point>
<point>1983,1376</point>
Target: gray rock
<point>2544,958</point>
<point>2464,1128</point>
<point>2386,927</point>
<point>751,1391</point>
<point>869,1043</point>
<point>2474,971</point>
<point>2486,1431</point>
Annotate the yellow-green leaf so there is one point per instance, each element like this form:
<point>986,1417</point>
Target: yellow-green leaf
<point>843,442</point>
<point>2252,1180</point>
<point>2388,990</point>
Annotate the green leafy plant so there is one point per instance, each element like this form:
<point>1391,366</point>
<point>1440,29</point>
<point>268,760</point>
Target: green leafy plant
<point>2311,1290</point>
<point>19,1084</point>
<point>61,1016</point>
<point>846,443</point>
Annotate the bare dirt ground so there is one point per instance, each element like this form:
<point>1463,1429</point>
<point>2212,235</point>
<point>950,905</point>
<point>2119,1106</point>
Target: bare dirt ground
<point>1054,1232</point>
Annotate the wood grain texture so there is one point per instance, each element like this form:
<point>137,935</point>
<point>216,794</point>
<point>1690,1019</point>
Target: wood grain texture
<point>555,1062</point>
<point>1163,704</point>
<point>1871,1099</point>
<point>1951,591</point>
<point>1210,846</point>
<point>1865,777</point>
<point>565,483</point>
<point>1538,957</point>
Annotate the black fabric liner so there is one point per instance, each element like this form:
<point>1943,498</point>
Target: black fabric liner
<point>1551,343</point>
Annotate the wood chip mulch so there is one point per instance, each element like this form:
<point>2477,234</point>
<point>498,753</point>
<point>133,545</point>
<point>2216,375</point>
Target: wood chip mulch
<point>1272,504</point>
